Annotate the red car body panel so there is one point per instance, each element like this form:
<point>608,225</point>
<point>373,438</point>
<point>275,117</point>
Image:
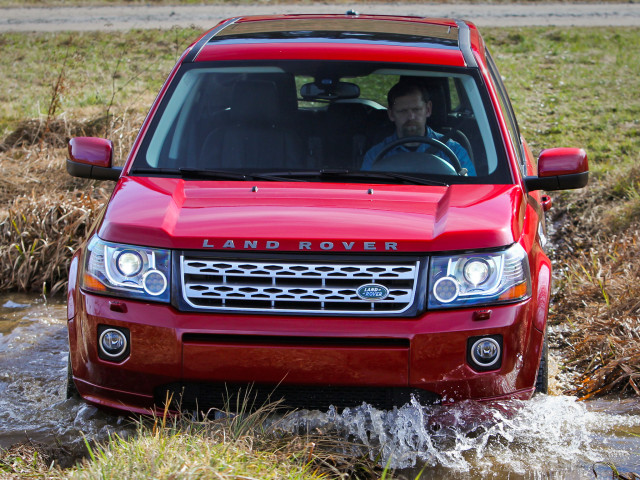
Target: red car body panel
<point>433,358</point>
<point>174,213</point>
<point>319,51</point>
<point>426,349</point>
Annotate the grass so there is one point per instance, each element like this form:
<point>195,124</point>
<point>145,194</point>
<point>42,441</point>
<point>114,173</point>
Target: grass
<point>248,445</point>
<point>575,87</point>
<point>98,71</point>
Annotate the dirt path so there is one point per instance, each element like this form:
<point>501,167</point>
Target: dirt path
<point>122,17</point>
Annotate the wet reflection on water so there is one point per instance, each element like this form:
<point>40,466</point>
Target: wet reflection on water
<point>33,371</point>
<point>547,437</point>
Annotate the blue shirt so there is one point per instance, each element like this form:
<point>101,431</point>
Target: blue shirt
<point>460,152</point>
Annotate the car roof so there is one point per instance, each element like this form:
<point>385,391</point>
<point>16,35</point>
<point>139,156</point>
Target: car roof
<point>351,36</point>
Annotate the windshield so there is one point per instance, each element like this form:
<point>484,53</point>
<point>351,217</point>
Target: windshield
<point>325,121</point>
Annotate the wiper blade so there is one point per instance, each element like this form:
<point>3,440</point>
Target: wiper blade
<point>298,176</point>
<point>345,173</point>
<point>212,174</point>
<point>406,178</point>
<point>207,173</point>
<point>191,173</point>
<point>275,177</point>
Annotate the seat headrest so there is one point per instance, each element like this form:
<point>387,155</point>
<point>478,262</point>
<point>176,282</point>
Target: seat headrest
<point>255,101</point>
<point>438,116</point>
<point>286,89</point>
<point>346,116</point>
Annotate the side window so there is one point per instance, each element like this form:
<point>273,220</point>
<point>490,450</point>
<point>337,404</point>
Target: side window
<point>507,112</point>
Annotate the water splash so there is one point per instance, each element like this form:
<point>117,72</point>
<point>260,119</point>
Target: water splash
<point>527,439</point>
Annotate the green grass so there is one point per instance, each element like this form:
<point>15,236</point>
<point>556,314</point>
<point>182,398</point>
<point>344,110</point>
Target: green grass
<point>574,87</point>
<point>249,445</point>
<point>579,87</point>
<point>99,70</point>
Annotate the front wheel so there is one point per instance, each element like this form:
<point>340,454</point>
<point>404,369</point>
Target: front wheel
<point>72,391</point>
<point>542,380</point>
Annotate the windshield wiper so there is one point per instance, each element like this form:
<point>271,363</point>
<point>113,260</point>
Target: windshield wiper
<point>344,173</point>
<point>193,173</point>
<point>212,174</point>
<point>208,173</point>
<point>297,176</point>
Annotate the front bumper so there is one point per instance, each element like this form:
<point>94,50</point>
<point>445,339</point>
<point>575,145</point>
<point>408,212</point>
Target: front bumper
<point>196,352</point>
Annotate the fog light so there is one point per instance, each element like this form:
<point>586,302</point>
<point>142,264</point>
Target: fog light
<point>113,343</point>
<point>485,352</point>
<point>446,289</point>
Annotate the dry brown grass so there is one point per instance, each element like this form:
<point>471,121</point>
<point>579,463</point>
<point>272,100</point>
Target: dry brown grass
<point>40,234</point>
<point>599,299</point>
<point>597,294</point>
<point>46,213</point>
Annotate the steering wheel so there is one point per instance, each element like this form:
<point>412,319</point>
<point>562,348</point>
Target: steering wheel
<point>442,167</point>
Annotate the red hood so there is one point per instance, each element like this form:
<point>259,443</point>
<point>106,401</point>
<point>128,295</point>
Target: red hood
<point>173,213</point>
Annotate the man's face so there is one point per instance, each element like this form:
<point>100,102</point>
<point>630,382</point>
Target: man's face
<point>410,113</point>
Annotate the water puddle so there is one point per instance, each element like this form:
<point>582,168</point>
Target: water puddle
<point>33,372</point>
<point>546,437</point>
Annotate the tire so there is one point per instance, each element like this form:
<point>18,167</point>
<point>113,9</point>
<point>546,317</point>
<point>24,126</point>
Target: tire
<point>542,380</point>
<point>72,391</point>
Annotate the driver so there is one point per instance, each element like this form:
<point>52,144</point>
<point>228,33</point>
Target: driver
<point>409,108</point>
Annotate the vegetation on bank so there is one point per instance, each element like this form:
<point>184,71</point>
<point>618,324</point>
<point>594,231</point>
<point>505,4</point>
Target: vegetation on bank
<point>576,87</point>
<point>245,446</point>
<point>570,87</point>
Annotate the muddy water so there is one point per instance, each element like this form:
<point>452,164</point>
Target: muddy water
<point>547,437</point>
<point>33,371</point>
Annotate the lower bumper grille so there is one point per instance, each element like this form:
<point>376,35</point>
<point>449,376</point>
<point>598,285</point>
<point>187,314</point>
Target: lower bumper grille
<point>204,396</point>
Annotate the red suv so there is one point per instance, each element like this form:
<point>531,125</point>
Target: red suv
<point>333,209</point>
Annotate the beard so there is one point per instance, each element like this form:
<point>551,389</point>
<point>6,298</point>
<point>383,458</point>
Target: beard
<point>412,129</point>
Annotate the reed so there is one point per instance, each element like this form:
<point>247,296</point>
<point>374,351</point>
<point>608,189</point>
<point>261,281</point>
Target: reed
<point>226,444</point>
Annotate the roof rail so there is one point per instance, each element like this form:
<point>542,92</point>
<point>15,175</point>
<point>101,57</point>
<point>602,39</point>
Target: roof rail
<point>197,48</point>
<point>464,41</point>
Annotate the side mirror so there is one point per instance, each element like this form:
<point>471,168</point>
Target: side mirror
<point>560,169</point>
<point>91,157</point>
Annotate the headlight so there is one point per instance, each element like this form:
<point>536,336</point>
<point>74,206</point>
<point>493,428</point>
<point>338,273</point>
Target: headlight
<point>479,278</point>
<point>127,270</point>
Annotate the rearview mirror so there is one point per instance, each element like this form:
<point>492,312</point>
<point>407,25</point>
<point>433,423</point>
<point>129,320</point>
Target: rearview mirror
<point>329,90</point>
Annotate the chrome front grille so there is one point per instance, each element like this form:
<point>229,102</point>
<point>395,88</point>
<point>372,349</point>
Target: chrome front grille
<point>301,287</point>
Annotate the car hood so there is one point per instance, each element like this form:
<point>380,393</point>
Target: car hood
<point>296,216</point>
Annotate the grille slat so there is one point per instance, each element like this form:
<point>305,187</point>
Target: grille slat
<point>303,287</point>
